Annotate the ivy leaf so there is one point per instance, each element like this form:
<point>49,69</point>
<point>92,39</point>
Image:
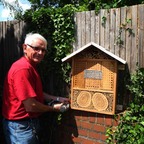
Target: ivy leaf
<point>142,123</point>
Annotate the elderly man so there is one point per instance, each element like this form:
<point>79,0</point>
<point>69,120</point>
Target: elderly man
<point>23,97</point>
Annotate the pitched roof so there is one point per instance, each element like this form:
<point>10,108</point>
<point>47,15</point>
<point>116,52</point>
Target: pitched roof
<point>98,47</point>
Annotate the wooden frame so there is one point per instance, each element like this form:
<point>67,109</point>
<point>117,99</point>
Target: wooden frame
<point>94,95</point>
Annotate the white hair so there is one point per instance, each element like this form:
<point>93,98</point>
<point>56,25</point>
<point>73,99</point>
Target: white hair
<point>29,38</point>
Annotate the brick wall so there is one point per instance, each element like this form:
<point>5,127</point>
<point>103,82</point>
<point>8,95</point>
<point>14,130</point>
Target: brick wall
<point>79,127</point>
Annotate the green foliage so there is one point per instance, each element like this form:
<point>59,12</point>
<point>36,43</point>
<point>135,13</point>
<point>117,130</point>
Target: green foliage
<point>126,28</point>
<point>130,129</point>
<point>63,35</point>
<point>104,21</point>
<point>84,5</point>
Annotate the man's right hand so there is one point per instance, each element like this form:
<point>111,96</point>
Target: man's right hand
<point>57,107</point>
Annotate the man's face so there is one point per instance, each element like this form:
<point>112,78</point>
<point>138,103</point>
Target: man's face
<point>35,51</point>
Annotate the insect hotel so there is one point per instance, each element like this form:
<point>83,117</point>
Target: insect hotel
<point>94,79</point>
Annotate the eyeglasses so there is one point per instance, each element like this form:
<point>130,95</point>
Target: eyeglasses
<point>37,49</point>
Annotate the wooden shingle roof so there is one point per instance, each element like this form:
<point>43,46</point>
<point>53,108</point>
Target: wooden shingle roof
<point>96,46</point>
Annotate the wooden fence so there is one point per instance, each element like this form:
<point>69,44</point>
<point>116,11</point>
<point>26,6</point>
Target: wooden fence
<point>119,30</point>
<point>11,38</point>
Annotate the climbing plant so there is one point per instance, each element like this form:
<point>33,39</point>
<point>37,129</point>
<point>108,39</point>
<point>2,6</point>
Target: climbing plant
<point>130,128</point>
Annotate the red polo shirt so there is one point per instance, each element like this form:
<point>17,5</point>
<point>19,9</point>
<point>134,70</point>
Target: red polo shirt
<point>22,82</point>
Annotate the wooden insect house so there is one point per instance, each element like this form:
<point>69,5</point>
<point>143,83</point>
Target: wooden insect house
<point>94,79</point>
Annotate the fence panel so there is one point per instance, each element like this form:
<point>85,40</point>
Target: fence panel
<point>119,30</point>
<point>11,38</point>
<point>141,35</point>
